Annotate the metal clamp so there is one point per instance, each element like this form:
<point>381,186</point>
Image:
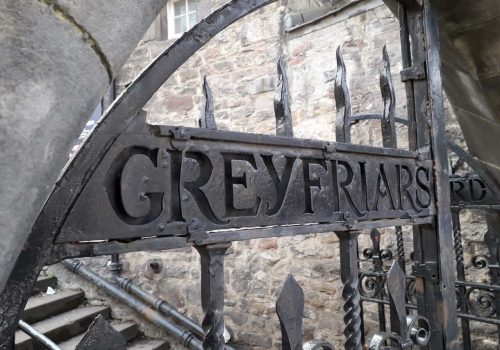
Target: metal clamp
<point>196,232</point>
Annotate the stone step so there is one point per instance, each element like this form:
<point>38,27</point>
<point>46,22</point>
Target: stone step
<point>128,329</point>
<point>42,283</point>
<point>43,306</point>
<point>62,327</point>
<point>148,344</point>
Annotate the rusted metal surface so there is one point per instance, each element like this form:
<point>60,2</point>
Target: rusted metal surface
<point>74,177</point>
<point>134,187</point>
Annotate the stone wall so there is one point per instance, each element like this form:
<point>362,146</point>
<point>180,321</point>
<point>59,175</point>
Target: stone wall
<point>240,65</point>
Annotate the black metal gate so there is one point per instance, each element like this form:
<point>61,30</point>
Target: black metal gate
<point>135,187</point>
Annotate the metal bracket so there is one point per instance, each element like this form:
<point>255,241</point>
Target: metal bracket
<point>196,232</point>
<point>427,270</point>
<point>330,149</point>
<point>413,73</point>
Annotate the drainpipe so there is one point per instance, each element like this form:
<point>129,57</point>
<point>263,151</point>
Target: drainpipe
<point>185,337</point>
<point>160,305</point>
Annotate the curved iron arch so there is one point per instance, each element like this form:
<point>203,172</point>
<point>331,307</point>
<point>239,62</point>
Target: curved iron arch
<point>38,248</point>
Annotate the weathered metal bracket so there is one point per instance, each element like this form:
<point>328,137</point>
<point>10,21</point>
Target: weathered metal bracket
<point>413,73</point>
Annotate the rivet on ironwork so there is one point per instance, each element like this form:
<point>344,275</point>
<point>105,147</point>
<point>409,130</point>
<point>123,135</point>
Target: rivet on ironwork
<point>207,118</point>
<point>389,138</point>
<point>343,102</point>
<point>282,110</point>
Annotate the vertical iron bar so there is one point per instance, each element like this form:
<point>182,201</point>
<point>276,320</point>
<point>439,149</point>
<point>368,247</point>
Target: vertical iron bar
<point>378,268</point>
<point>342,101</point>
<point>462,290</point>
<point>493,221</point>
<point>350,293</point>
<point>444,229</point>
<point>282,110</point>
<point>361,305</point>
<point>400,247</point>
<point>389,137</point>
<point>212,294</point>
<point>426,281</point>
<point>407,62</point>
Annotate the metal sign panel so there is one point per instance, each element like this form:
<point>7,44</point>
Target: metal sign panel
<point>471,191</point>
<point>155,184</point>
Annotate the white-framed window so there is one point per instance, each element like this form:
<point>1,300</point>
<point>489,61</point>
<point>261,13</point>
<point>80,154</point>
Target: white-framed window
<point>182,16</point>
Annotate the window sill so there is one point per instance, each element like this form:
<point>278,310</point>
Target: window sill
<point>297,20</point>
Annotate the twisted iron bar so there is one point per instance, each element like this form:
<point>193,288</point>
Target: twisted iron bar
<point>352,310</point>
<point>400,247</point>
<point>349,275</point>
<point>212,294</point>
<point>457,245</point>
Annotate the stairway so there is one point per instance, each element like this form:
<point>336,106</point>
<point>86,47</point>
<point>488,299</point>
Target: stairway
<point>64,317</point>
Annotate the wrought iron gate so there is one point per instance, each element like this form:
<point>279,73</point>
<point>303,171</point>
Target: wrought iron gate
<point>135,187</point>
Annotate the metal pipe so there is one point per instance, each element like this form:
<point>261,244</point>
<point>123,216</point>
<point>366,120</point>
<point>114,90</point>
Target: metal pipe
<point>185,337</point>
<point>114,265</point>
<point>33,333</point>
<point>160,305</point>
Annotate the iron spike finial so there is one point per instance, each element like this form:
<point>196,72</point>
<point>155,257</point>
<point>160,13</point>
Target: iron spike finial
<point>290,310</point>
<point>389,138</point>
<point>343,101</point>
<point>207,118</point>
<point>396,285</point>
<point>282,110</point>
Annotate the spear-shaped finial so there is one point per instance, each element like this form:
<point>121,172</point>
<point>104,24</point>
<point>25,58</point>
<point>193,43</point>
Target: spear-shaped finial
<point>387,89</point>
<point>343,102</point>
<point>290,310</point>
<point>207,118</point>
<point>396,285</point>
<point>282,108</point>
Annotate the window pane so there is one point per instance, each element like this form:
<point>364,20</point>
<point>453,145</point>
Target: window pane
<point>179,8</point>
<point>192,20</point>
<point>192,5</point>
<point>180,25</point>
